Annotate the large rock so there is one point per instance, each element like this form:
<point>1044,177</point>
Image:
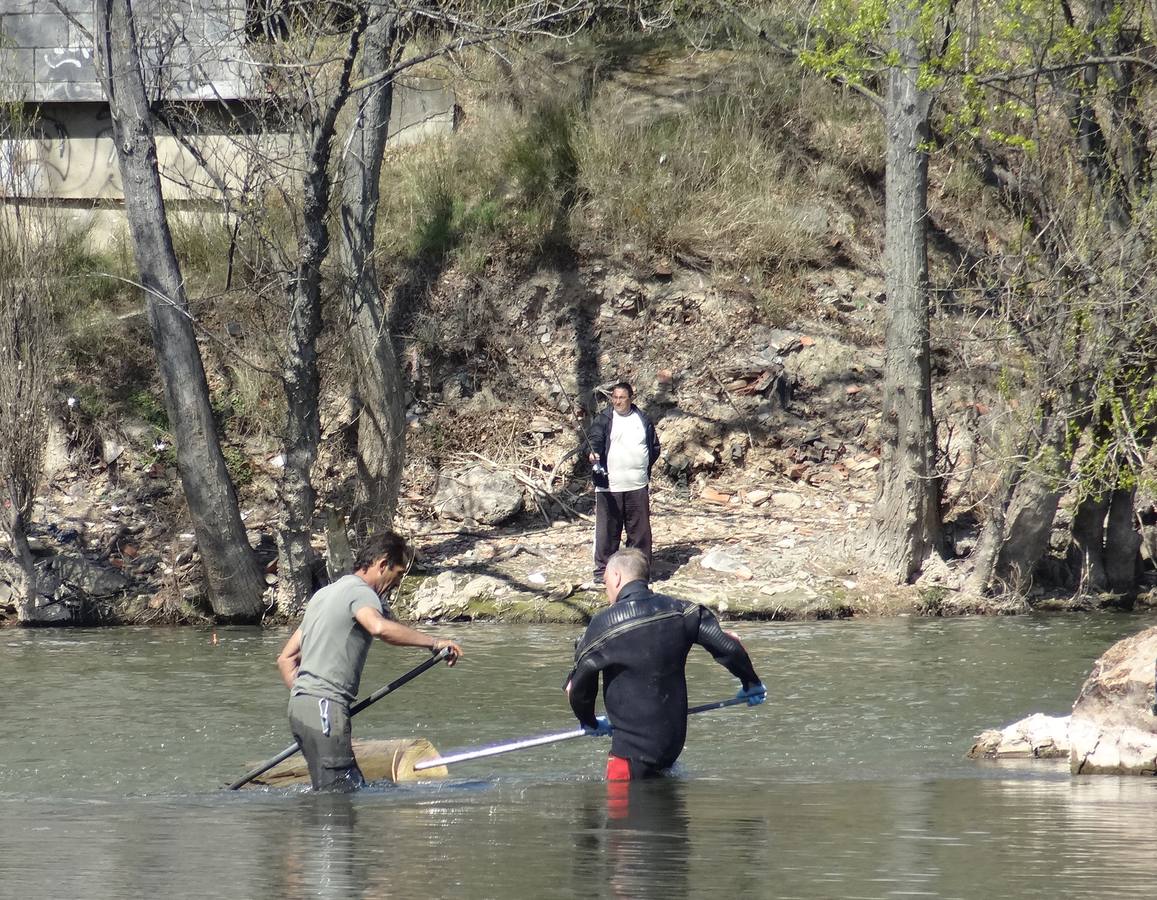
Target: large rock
<point>465,596</point>
<point>478,495</point>
<point>1113,729</point>
<point>46,608</point>
<point>690,442</point>
<point>86,578</point>
<point>450,595</point>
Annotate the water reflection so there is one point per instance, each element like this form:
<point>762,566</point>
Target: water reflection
<point>851,782</point>
<point>1088,833</point>
<point>318,854</point>
<point>634,838</point>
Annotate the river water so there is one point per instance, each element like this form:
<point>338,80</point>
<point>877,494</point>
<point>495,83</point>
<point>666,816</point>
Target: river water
<point>850,782</point>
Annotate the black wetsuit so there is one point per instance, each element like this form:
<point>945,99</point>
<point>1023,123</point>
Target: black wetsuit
<point>640,644</point>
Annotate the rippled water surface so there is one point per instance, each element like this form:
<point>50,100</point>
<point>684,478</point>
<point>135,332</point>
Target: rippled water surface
<point>849,782</point>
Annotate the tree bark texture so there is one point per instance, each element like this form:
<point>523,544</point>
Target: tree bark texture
<point>232,577</point>
<point>18,536</point>
<point>907,511</point>
<point>1122,543</point>
<point>1016,536</point>
<point>1105,547</point>
<point>297,560</point>
<point>25,383</point>
<point>380,387</point>
<point>1087,551</point>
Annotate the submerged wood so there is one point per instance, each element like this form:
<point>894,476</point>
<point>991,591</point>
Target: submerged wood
<point>380,760</point>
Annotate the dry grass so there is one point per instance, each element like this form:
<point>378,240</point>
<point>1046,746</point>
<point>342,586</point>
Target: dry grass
<point>845,130</point>
<point>707,183</point>
<point>712,156</point>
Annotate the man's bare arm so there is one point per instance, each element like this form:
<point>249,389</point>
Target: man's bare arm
<point>289,659</point>
<point>402,635</point>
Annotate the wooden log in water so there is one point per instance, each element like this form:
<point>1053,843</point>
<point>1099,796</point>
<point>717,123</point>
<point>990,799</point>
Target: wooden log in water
<point>379,760</point>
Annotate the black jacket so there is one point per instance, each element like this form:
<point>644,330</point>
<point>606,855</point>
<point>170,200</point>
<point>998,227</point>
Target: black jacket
<point>640,644</point>
<point>600,434</point>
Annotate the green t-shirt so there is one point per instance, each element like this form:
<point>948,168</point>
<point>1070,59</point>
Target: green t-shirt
<point>333,644</point>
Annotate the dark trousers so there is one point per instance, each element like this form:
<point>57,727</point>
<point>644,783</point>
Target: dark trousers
<point>614,511</point>
<point>322,728</point>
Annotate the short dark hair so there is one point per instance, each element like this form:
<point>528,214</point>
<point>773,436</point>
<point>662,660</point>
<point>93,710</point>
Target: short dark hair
<point>626,386</point>
<point>631,563</point>
<point>390,546</point>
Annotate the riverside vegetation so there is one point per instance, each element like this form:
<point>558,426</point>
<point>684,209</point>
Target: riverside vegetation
<point>705,221</point>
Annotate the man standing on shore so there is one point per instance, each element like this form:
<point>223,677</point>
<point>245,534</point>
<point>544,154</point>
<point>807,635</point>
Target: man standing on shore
<point>322,662</point>
<point>623,450</point>
<point>640,645</point>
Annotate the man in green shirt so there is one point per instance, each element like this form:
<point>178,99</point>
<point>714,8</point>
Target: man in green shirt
<point>322,661</point>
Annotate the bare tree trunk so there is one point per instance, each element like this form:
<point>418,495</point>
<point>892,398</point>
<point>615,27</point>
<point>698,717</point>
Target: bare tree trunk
<point>1028,524</point>
<point>301,384</point>
<point>1016,536</point>
<point>1122,543</point>
<point>233,579</point>
<point>339,554</point>
<point>297,560</point>
<point>907,520</point>
<point>984,556</point>
<point>1087,551</point>
<point>18,535</point>
<point>1090,330</point>
<point>381,422</point>
<point>26,370</point>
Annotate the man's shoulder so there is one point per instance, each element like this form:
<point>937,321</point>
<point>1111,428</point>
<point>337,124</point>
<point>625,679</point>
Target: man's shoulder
<point>600,620</point>
<point>638,606</point>
<point>347,584</point>
<point>349,589</point>
<point>666,600</point>
<point>643,417</point>
<point>605,620</point>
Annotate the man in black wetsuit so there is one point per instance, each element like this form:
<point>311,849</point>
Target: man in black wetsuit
<point>640,644</point>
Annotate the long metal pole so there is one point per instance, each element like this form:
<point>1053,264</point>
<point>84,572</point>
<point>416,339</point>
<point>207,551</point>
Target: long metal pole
<point>527,743</point>
<point>354,710</point>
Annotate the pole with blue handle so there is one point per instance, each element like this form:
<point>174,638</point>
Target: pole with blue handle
<point>527,743</point>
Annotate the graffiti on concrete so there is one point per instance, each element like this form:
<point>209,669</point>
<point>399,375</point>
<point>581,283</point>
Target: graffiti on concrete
<point>65,157</point>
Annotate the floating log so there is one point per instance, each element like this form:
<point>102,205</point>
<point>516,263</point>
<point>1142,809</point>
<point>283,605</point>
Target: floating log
<point>379,760</point>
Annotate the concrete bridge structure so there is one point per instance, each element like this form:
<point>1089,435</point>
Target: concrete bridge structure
<point>196,53</point>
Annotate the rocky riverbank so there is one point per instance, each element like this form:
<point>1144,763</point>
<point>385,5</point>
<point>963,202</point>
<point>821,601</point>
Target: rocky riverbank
<point>761,499</point>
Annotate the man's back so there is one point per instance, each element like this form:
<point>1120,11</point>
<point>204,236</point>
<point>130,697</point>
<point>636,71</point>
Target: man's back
<point>334,646</point>
<point>640,644</point>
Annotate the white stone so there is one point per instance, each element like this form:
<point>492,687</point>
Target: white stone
<point>787,500</point>
<point>730,562</point>
<point>1036,737</point>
